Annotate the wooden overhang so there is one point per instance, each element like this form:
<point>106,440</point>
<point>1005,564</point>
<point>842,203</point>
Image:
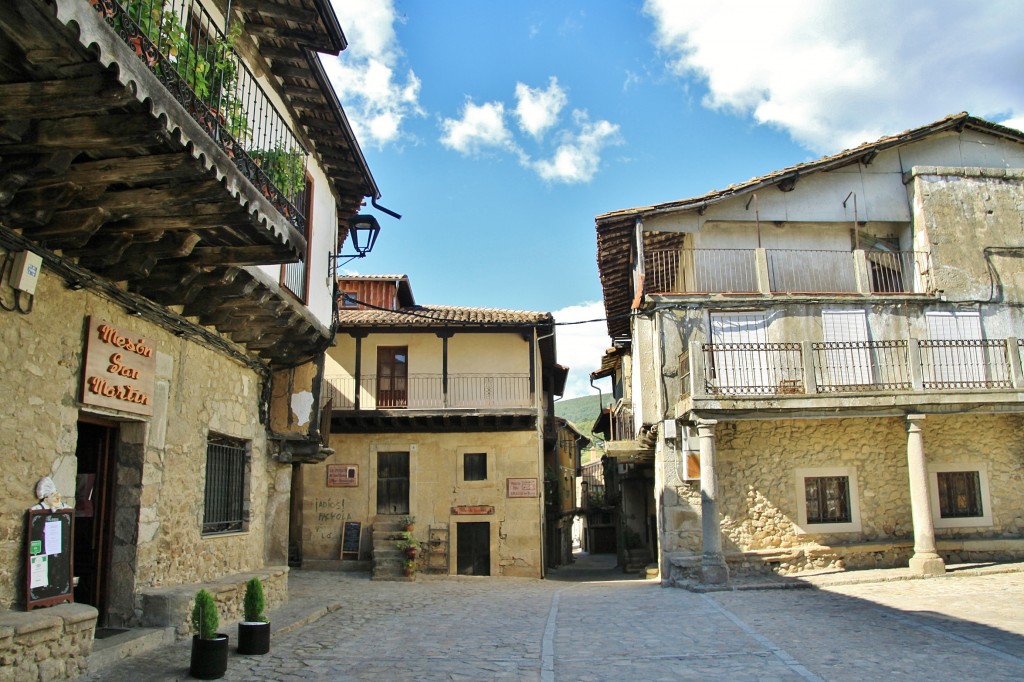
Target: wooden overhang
<point>616,236</point>
<point>107,175</point>
<point>431,421</point>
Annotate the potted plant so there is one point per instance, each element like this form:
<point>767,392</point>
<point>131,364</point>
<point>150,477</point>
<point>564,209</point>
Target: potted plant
<point>408,544</point>
<point>407,522</point>
<point>254,631</point>
<point>209,647</point>
<point>409,568</point>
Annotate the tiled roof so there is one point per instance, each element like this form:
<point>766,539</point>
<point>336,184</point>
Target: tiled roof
<point>371,278</point>
<point>615,230</point>
<point>437,315</point>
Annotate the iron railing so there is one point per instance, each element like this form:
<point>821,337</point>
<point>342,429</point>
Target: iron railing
<point>224,502</point>
<point>846,366</point>
<point>854,366</point>
<point>753,368</point>
<point>193,57</point>
<point>695,271</point>
<point>701,271</point>
<point>791,271</point>
<point>428,391</point>
<point>953,364</point>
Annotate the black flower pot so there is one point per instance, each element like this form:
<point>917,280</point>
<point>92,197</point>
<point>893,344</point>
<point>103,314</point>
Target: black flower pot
<point>253,638</point>
<point>209,657</point>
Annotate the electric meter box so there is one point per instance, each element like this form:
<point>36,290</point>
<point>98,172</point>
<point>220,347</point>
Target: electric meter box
<point>25,273</point>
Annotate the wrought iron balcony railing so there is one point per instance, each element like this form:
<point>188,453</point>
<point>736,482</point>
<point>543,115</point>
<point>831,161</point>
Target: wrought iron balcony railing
<point>753,271</point>
<point>775,369</point>
<point>431,392</point>
<point>194,58</point>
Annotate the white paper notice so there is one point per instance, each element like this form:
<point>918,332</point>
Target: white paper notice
<point>51,537</point>
<point>40,572</point>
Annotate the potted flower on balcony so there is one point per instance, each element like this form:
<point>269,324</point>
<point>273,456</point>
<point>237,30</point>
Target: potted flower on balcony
<point>209,647</point>
<point>254,631</point>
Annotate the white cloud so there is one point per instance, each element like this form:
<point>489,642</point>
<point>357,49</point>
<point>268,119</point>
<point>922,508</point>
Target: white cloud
<point>538,109</point>
<point>578,155</point>
<point>480,127</point>
<point>581,346</point>
<point>835,74</point>
<point>376,99</point>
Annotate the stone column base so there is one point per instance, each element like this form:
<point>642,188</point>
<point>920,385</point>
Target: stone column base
<point>714,574</point>
<point>927,564</point>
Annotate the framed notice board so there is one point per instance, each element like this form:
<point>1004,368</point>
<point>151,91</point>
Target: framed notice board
<point>48,570</point>
<point>350,540</point>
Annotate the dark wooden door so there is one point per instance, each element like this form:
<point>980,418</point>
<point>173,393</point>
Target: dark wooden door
<point>392,376</point>
<point>392,482</point>
<point>96,453</point>
<point>473,548</point>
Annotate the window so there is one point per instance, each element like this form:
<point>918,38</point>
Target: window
<point>226,507</point>
<point>474,466</point>
<point>349,300</point>
<point>959,495</point>
<point>827,500</point>
<point>392,376</point>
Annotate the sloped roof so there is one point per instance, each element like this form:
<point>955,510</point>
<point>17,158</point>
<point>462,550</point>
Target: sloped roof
<point>433,316</point>
<point>615,229</point>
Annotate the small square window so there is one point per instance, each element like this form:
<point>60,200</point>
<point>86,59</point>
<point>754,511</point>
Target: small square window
<point>959,494</point>
<point>474,466</point>
<point>828,499</point>
<point>349,300</point>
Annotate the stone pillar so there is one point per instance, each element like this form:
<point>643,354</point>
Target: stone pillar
<point>713,568</point>
<point>925,560</point>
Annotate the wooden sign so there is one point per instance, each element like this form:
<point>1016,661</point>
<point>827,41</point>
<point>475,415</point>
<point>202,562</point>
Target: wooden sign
<point>342,475</point>
<point>522,487</point>
<point>472,510</point>
<point>120,369</point>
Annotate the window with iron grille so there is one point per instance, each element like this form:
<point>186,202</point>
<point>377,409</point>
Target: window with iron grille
<point>474,466</point>
<point>959,494</point>
<point>828,499</point>
<point>226,507</point>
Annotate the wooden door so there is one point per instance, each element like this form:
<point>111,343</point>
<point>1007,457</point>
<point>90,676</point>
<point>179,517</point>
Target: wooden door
<point>392,482</point>
<point>96,453</point>
<point>392,377</point>
<point>473,548</point>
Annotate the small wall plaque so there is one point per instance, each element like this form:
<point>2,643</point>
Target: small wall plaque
<point>522,487</point>
<point>472,510</point>
<point>342,475</point>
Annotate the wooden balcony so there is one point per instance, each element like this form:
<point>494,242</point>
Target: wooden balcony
<point>143,159</point>
<point>784,271</point>
<point>432,392</point>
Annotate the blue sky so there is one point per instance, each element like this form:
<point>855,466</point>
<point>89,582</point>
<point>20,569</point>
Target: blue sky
<point>499,130</point>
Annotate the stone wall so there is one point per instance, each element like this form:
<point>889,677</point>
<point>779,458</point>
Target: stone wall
<point>757,464</point>
<point>435,487</point>
<point>46,644</point>
<point>161,459</point>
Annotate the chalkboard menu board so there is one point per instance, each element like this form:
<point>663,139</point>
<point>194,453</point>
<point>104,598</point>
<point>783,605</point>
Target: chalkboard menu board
<point>350,539</point>
<point>48,570</point>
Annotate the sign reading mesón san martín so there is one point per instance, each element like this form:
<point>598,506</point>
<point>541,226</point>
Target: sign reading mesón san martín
<point>120,369</point>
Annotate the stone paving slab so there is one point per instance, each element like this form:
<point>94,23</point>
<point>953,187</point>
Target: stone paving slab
<point>625,628</point>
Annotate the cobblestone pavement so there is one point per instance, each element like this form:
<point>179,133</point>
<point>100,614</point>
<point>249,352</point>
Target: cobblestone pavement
<point>571,630</point>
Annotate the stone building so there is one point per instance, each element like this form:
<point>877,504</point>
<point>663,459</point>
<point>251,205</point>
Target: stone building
<point>562,503</point>
<point>440,413</point>
<point>173,181</point>
<point>821,367</point>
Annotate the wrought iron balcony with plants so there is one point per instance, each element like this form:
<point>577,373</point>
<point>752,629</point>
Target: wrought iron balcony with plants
<point>196,61</point>
<point>802,368</point>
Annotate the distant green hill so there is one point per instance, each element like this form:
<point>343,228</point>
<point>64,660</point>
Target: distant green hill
<point>582,412</point>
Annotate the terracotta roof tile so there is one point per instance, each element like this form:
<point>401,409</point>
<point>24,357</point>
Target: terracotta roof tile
<point>434,315</point>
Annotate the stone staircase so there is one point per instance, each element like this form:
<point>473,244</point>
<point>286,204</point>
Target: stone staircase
<point>388,560</point>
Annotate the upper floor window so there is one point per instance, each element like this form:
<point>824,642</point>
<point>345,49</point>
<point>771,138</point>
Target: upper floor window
<point>474,466</point>
<point>349,300</point>
<point>392,376</point>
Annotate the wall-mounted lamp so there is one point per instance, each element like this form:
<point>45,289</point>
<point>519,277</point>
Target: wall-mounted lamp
<point>363,231</point>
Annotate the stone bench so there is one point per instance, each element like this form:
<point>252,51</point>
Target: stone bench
<point>172,606</point>
<point>50,643</point>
